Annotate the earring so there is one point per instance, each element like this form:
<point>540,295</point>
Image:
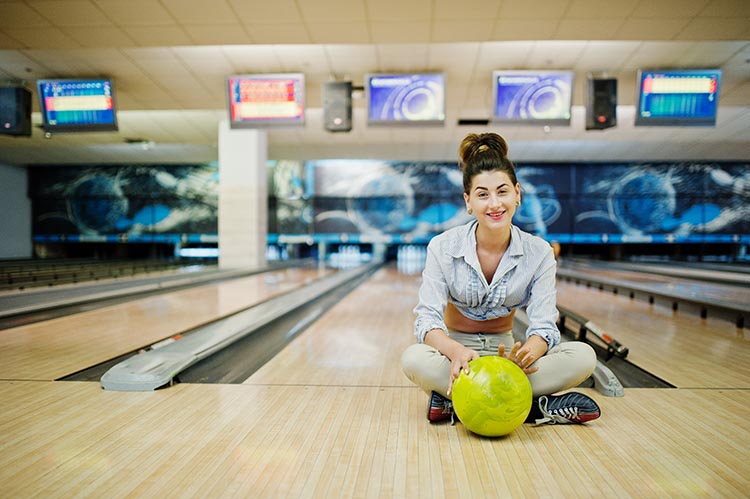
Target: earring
<point>469,211</point>
<point>518,203</point>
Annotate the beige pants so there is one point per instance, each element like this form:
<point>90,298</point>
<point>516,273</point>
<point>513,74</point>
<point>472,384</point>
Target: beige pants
<point>562,367</point>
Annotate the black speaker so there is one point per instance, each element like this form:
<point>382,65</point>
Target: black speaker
<point>337,106</point>
<point>15,111</point>
<point>601,103</point>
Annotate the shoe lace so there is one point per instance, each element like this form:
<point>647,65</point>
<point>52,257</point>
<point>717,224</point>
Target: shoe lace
<point>558,415</point>
<point>448,408</point>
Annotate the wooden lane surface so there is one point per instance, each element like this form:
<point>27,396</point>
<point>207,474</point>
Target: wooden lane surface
<point>357,342</point>
<point>312,425</point>
<point>688,288</point>
<point>70,439</point>
<point>681,348</point>
<point>61,346</point>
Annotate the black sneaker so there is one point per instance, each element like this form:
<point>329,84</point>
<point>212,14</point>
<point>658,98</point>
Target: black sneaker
<point>440,409</point>
<point>571,407</point>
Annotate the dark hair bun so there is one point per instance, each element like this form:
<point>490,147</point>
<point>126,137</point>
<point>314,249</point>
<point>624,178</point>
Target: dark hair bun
<point>474,144</point>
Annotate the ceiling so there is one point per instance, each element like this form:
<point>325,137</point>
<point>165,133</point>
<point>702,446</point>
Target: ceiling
<point>169,60</point>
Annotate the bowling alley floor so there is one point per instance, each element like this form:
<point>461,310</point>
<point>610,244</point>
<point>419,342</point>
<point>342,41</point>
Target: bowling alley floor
<point>63,439</point>
<point>333,416</point>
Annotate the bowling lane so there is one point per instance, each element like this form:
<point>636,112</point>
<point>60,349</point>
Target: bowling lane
<point>731,295</point>
<point>55,348</point>
<point>680,348</point>
<point>358,342</point>
<point>318,441</point>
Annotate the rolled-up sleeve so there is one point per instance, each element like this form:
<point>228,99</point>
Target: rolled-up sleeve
<point>542,305</point>
<point>433,297</point>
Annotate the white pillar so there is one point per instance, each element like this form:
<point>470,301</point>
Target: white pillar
<point>243,197</point>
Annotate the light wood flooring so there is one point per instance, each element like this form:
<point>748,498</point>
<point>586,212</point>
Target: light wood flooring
<point>333,416</point>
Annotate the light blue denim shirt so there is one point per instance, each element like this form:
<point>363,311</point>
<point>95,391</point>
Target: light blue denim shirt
<point>525,277</point>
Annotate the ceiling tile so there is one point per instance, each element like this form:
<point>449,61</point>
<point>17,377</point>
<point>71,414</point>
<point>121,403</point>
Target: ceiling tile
<point>71,12</point>
<point>605,55</point>
<point>400,32</point>
<point>668,9</point>
<point>524,29</point>
<point>58,65</point>
<point>653,54</point>
<point>18,65</point>
<point>555,54</point>
<point>593,9</point>
<point>587,29</point>
<point>735,95</point>
<point>43,38</point>
<point>304,58</point>
<point>462,30</point>
<point>19,15</point>
<point>398,10</point>
<point>395,57</point>
<point>136,12</point>
<point>349,32</point>
<point>322,11</point>
<point>710,54</point>
<point>714,28</point>
<point>278,33</point>
<point>502,55</point>
<point>351,59</point>
<point>538,9</point>
<point>650,29</point>
<point>8,42</point>
<point>466,10</point>
<point>158,36</point>
<point>218,34</point>
<point>457,60</point>
<point>727,8</point>
<point>261,11</point>
<point>208,59</point>
<point>252,58</point>
<point>100,36</point>
<point>201,12</point>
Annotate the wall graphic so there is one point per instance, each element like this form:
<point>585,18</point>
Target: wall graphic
<point>677,201</point>
<point>352,200</point>
<point>378,197</point>
<point>132,201</point>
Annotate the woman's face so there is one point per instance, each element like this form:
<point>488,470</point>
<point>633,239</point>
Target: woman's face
<point>492,199</point>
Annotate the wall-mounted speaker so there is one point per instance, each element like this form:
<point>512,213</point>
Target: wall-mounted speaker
<point>601,103</point>
<point>15,111</point>
<point>337,106</point>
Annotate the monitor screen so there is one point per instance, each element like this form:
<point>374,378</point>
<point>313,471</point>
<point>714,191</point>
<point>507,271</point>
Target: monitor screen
<point>405,99</point>
<point>257,101</point>
<point>678,97</point>
<point>84,105</point>
<point>532,97</point>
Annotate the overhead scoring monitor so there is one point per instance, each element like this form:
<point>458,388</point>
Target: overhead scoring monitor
<point>261,100</point>
<point>678,97</point>
<point>77,105</point>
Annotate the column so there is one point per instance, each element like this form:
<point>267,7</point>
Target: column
<point>243,197</point>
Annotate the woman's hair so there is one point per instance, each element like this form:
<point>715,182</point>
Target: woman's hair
<point>484,152</point>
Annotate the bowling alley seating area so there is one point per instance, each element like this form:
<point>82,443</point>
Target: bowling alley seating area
<point>36,273</point>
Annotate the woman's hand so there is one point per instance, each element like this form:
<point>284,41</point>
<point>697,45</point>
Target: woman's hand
<point>460,360</point>
<point>524,356</point>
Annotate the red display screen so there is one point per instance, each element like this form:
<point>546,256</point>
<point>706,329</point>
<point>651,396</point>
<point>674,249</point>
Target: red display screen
<point>259,100</point>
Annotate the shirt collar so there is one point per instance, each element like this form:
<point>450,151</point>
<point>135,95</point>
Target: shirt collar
<point>466,245</point>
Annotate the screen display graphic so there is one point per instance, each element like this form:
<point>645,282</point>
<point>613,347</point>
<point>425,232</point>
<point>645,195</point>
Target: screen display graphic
<point>678,97</point>
<point>77,105</point>
<point>263,100</point>
<point>534,97</point>
<point>406,99</point>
